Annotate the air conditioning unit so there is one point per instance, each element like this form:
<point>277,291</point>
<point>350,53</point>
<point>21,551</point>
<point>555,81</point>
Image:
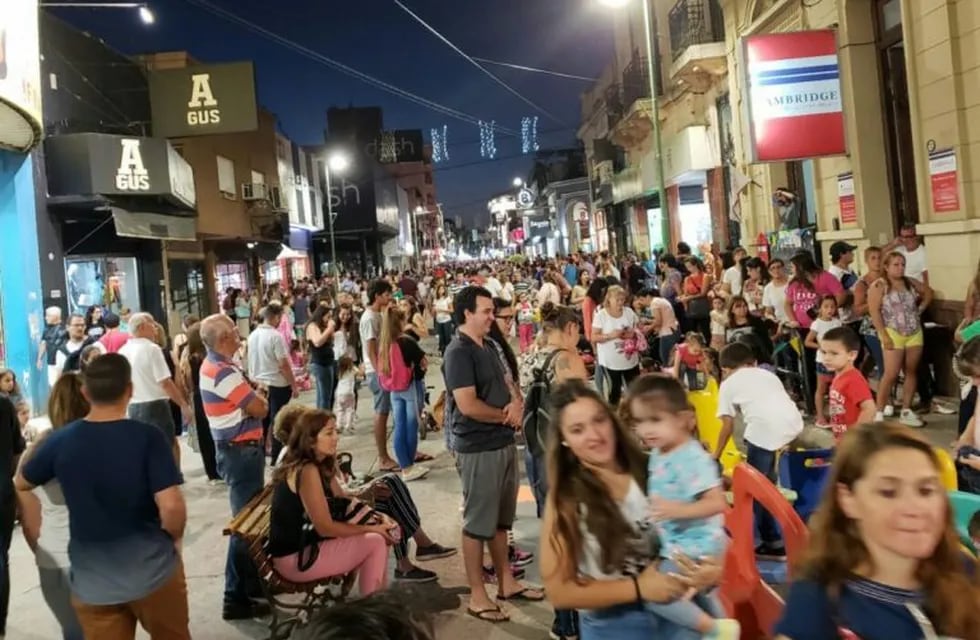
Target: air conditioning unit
<point>275,199</point>
<point>254,191</point>
<point>604,171</point>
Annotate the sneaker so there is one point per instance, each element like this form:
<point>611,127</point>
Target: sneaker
<point>244,610</point>
<point>889,411</point>
<point>433,552</point>
<point>416,575</point>
<point>909,419</point>
<point>519,558</point>
<point>416,472</point>
<point>216,482</point>
<point>943,409</point>
<point>726,629</point>
<point>490,575</point>
<point>879,416</point>
<point>769,551</point>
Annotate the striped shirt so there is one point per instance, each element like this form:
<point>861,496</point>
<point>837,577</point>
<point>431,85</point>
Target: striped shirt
<point>456,287</point>
<point>225,393</point>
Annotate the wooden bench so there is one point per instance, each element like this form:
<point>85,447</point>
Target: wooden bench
<point>291,603</point>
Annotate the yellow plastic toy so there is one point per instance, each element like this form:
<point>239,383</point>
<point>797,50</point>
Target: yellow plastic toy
<point>705,403</point>
<point>947,470</point>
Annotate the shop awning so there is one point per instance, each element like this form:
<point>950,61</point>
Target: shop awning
<point>291,254</point>
<point>157,226</point>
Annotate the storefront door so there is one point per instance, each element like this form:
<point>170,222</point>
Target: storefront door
<point>187,293</point>
<point>111,283</point>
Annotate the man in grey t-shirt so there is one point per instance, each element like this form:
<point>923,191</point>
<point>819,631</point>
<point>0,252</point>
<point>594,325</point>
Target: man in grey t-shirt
<point>482,416</point>
<point>379,298</point>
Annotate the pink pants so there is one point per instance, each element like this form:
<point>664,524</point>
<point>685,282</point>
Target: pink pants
<point>526,334</point>
<point>366,553</point>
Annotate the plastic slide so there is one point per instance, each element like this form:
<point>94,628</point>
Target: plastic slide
<point>964,506</point>
<point>745,594</point>
<point>947,469</point>
<point>705,404</point>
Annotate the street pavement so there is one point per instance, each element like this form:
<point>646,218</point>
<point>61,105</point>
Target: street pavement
<point>438,498</point>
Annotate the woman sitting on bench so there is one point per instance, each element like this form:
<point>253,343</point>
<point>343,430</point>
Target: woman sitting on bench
<point>311,535</point>
<point>390,496</point>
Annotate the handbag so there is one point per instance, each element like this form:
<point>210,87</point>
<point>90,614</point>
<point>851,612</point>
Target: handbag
<point>699,308</point>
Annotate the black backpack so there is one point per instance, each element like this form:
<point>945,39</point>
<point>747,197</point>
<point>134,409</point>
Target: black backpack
<point>537,418</point>
<point>73,359</point>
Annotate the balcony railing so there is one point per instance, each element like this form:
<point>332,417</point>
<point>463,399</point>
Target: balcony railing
<point>613,98</point>
<point>636,83</point>
<point>695,22</point>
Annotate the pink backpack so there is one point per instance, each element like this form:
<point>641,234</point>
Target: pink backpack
<point>399,376</point>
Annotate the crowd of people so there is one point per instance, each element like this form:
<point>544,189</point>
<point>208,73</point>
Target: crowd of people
<point>575,371</point>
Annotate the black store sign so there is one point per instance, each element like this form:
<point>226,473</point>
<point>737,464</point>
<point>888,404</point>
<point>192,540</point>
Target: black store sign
<point>203,100</point>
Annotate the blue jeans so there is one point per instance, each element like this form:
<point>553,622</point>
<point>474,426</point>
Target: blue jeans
<point>243,470</point>
<point>667,344</point>
<point>405,406</point>
<point>537,479</point>
<point>323,379</point>
<point>764,461</point>
<point>877,354</point>
<point>630,622</point>
<point>687,613</point>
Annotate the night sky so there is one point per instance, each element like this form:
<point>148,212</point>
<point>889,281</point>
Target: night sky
<point>378,38</point>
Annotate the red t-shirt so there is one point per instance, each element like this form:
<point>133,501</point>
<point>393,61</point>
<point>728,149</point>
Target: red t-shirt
<point>690,360</point>
<point>114,340</point>
<point>847,391</point>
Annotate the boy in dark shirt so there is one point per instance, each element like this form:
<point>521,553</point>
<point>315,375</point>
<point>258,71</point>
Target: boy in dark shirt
<point>126,511</point>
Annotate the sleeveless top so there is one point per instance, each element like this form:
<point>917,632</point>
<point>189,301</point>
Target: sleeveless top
<point>52,545</point>
<point>290,529</point>
<point>900,312</point>
<point>322,355</point>
<point>641,549</point>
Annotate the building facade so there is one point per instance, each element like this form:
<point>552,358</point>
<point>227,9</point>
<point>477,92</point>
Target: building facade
<point>910,86</point>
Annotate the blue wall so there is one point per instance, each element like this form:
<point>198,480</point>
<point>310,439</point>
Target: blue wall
<point>20,274</point>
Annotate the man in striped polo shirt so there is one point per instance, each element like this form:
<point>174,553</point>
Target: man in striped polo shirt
<point>235,411</point>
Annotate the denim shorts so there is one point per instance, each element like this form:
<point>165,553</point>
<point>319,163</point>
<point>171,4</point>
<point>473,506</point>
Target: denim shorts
<point>382,399</point>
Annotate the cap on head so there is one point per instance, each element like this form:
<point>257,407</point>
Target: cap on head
<point>839,248</point>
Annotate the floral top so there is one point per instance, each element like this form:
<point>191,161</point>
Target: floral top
<point>671,286</point>
<point>900,312</point>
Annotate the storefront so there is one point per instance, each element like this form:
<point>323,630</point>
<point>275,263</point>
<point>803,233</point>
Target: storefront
<point>136,193</point>
<point>21,308</point>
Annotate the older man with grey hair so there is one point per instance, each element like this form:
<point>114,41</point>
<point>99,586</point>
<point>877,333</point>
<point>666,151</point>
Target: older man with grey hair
<point>235,409</point>
<point>54,336</point>
<point>153,384</point>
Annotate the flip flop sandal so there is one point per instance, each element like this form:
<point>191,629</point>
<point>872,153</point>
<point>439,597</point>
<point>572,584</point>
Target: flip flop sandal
<point>524,595</point>
<point>423,457</point>
<point>488,615</point>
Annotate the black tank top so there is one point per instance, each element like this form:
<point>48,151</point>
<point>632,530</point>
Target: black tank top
<point>322,355</point>
<point>290,529</point>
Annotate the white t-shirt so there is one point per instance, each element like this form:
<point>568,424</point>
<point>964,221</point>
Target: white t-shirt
<point>915,261</point>
<point>839,273</point>
<point>266,351</point>
<point>442,307</point>
<point>71,347</point>
<point>345,385</point>
<point>733,277</point>
<point>493,286</point>
<point>668,318</point>
<point>635,509</point>
<point>149,369</point>
<point>774,295</point>
<point>772,421</point>
<point>370,329</point>
<point>610,354</point>
<point>820,327</point>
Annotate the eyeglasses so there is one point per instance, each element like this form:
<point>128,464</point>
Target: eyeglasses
<point>508,318</point>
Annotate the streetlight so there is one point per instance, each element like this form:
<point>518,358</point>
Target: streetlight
<point>335,162</point>
<point>653,64</point>
<point>518,183</point>
<point>145,14</point>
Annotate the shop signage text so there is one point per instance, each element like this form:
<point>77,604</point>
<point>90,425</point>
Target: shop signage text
<point>795,106</point>
<point>943,180</point>
<point>203,100</point>
<point>845,198</point>
<point>132,174</point>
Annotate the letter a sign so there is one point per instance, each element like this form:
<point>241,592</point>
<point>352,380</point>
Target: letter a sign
<point>132,174</point>
<point>201,95</point>
<point>795,106</point>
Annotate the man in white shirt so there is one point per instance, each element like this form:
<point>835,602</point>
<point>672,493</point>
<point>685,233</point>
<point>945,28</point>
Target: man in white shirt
<point>909,244</point>
<point>269,366</point>
<point>842,255</point>
<point>492,283</point>
<point>731,280</point>
<point>379,298</point>
<point>153,384</point>
<point>774,293</point>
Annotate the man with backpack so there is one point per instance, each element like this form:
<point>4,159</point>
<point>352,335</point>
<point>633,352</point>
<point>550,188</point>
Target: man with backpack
<point>72,346</point>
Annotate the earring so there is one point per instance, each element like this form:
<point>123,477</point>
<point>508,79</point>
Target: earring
<point>564,444</point>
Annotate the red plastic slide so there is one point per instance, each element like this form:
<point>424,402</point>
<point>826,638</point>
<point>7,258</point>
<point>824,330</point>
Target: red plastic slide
<point>746,596</point>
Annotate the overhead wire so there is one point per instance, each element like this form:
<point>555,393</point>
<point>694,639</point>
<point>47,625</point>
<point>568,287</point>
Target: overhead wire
<point>476,64</point>
<point>549,72</point>
<point>343,68</point>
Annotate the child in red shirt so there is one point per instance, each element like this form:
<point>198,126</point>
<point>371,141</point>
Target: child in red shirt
<point>851,402</point>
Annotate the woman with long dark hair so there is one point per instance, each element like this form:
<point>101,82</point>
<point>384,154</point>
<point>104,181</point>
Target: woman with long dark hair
<point>319,336</point>
<point>94,324</point>
<point>598,554</point>
<point>694,296</point>
<point>189,381</point>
